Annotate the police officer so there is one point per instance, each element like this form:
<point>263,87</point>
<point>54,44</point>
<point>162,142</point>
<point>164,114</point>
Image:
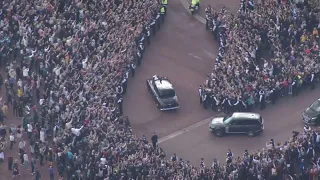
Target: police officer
<point>164,4</point>
<point>262,99</point>
<point>125,83</point>
<point>133,68</point>
<point>236,105</point>
<point>154,140</point>
<point>141,44</point>
<point>204,100</point>
<point>226,105</point>
<point>120,100</point>
<point>162,13</point>
<point>215,27</point>
<point>242,6</point>
<point>273,95</point>
<point>153,23</point>
<point>119,90</point>
<point>174,158</point>
<point>312,82</point>
<point>232,101</point>
<point>208,11</point>
<point>200,93</point>
<point>148,33</point>
<point>229,156</point>
<point>214,103</point>
<point>294,87</point>
<point>243,105</point>
<point>139,56</point>
<point>158,18</point>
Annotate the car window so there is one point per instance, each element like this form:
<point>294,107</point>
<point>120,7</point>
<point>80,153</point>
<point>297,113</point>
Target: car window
<point>167,93</point>
<point>249,122</point>
<point>227,119</point>
<point>243,122</point>
<point>315,106</point>
<point>234,122</point>
<point>256,122</point>
<point>155,89</point>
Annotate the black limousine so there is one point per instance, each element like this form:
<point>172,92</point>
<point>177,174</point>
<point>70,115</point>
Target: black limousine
<point>163,92</point>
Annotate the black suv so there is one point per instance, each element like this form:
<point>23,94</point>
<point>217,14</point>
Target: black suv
<point>246,123</point>
<point>311,115</point>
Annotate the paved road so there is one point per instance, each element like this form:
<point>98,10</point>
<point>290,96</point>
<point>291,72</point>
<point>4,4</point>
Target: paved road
<point>184,52</point>
<point>280,120</point>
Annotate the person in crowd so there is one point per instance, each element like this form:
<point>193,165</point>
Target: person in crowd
<point>154,140</point>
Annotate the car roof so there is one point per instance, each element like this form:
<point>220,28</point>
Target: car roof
<point>246,115</point>
<point>163,84</point>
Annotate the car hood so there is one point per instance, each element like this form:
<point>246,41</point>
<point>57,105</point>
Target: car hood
<point>311,113</point>
<point>217,121</point>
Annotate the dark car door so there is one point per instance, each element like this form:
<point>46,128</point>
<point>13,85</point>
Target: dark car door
<point>235,126</point>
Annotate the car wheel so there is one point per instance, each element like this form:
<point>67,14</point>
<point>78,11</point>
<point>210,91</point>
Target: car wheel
<point>219,133</point>
<point>250,133</point>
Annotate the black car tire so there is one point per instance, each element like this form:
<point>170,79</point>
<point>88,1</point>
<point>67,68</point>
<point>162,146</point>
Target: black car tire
<point>251,134</point>
<point>219,133</point>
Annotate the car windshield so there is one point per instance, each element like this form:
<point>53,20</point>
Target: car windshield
<point>167,93</point>
<point>227,119</point>
<point>316,106</point>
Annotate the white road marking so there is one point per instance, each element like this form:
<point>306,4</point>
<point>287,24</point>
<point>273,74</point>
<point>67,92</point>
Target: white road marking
<point>197,57</point>
<point>187,129</point>
<point>209,54</point>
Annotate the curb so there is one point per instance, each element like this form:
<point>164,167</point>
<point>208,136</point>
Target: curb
<point>197,16</point>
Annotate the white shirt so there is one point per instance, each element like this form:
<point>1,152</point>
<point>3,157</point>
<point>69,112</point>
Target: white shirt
<point>21,145</point>
<point>30,128</point>
<point>19,83</point>
<point>57,71</point>
<point>76,131</point>
<point>25,72</point>
<point>25,157</point>
<point>42,137</point>
<point>11,137</point>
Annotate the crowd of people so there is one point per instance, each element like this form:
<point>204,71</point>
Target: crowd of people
<point>271,49</point>
<point>67,65</point>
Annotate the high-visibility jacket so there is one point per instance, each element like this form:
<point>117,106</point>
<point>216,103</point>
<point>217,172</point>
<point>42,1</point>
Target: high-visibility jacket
<point>198,1</point>
<point>194,2</point>
<point>163,10</point>
<point>164,2</point>
<point>20,92</point>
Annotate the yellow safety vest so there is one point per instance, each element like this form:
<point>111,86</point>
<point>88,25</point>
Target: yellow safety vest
<point>20,92</point>
<point>194,2</point>
<point>163,10</point>
<point>164,2</point>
